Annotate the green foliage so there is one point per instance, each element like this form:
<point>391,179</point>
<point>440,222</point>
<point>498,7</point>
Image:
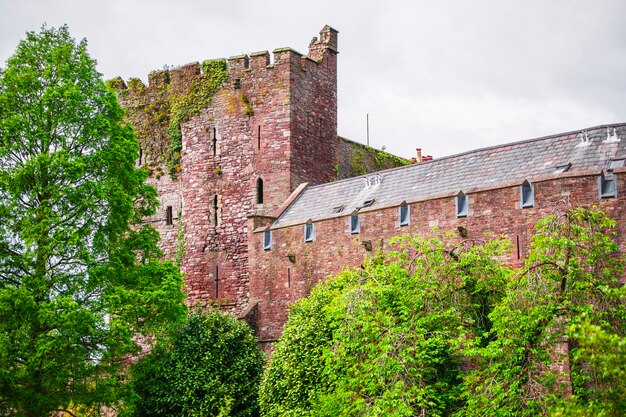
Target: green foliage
<point>438,329</point>
<point>568,290</point>
<point>180,240</point>
<point>247,107</point>
<point>79,276</point>
<point>383,340</point>
<point>384,159</point>
<point>185,105</point>
<point>158,112</point>
<point>212,368</point>
<point>356,164</point>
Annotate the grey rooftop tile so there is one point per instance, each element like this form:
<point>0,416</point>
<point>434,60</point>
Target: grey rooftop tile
<point>487,167</point>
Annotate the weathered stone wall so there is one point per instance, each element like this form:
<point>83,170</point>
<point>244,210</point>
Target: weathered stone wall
<point>358,159</point>
<point>255,127</point>
<point>169,196</point>
<point>276,281</point>
<point>314,111</point>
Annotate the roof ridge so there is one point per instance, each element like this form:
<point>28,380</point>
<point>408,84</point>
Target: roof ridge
<point>473,151</point>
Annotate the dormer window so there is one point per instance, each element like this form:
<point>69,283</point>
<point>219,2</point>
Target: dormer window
<point>366,203</point>
<point>607,187</point>
<point>355,224</point>
<point>404,215</point>
<point>309,232</point>
<point>527,195</point>
<point>616,163</point>
<point>562,168</point>
<point>267,240</point>
<point>462,205</point>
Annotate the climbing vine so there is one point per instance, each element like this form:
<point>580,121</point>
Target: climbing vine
<point>158,112</point>
<point>186,105</point>
<point>356,165</point>
<point>180,240</point>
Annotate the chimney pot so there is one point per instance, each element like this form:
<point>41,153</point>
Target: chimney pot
<point>419,155</point>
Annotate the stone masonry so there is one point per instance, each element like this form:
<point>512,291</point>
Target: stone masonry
<point>270,127</point>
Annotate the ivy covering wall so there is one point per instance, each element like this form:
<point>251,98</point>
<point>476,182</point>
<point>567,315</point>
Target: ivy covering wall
<point>158,111</point>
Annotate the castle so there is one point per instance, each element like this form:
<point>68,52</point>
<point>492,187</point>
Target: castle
<point>260,199</point>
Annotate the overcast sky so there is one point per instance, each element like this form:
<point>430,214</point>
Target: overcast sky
<point>446,76</point>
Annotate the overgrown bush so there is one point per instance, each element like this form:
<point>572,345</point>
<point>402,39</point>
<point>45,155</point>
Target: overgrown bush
<point>442,328</point>
<point>212,367</point>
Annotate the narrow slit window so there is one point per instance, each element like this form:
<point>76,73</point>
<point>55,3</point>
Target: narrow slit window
<point>215,210</point>
<point>607,187</point>
<point>527,195</point>
<point>355,224</point>
<point>259,191</point>
<point>309,232</point>
<point>404,215</point>
<point>462,205</point>
<point>267,240</point>
<point>169,215</point>
<point>214,142</point>
<point>258,137</point>
<point>217,281</point>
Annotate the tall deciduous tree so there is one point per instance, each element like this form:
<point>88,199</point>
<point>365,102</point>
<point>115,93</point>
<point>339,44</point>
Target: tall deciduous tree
<point>79,277</point>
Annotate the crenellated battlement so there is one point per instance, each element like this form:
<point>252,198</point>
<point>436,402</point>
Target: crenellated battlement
<point>226,139</point>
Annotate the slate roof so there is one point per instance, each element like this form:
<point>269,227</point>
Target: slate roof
<point>479,169</point>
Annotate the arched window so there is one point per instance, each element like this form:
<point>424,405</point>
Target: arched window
<point>259,191</point>
<point>462,205</point>
<point>527,195</point>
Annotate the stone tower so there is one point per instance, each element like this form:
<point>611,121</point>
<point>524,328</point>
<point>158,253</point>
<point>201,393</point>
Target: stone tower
<point>270,126</point>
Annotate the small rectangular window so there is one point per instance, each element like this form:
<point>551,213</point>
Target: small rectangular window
<point>404,215</point>
<point>355,224</point>
<point>309,232</point>
<point>169,215</point>
<point>267,240</point>
<point>527,195</point>
<point>462,205</point>
<point>607,187</point>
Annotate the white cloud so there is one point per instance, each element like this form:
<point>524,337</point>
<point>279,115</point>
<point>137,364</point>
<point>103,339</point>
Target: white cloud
<point>447,76</point>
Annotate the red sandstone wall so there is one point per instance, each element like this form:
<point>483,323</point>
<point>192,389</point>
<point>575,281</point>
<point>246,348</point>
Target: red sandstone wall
<point>314,112</point>
<point>256,123</point>
<point>276,282</point>
<point>169,195</point>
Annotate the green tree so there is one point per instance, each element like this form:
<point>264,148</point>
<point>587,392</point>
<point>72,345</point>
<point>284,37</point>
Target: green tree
<point>438,329</point>
<point>80,279</point>
<point>384,340</point>
<point>558,335</point>
<point>212,368</point>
